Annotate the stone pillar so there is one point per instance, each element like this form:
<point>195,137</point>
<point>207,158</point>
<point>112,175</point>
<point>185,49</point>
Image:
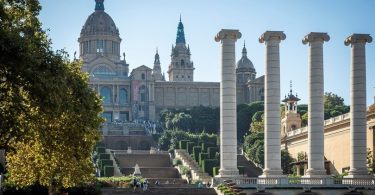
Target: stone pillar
<point>316,105</point>
<point>358,150</point>
<point>228,115</point>
<point>272,143</point>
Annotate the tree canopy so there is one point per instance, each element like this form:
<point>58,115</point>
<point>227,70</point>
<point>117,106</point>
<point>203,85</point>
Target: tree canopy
<point>49,115</point>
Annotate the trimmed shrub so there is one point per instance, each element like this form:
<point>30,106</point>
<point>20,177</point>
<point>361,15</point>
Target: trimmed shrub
<point>189,147</point>
<point>208,165</point>
<point>241,170</point>
<point>183,144</point>
<point>104,156</point>
<point>176,162</point>
<point>212,152</point>
<point>105,162</point>
<point>196,151</point>
<point>202,156</point>
<point>215,171</point>
<point>100,150</point>
<point>206,145</point>
<point>108,171</point>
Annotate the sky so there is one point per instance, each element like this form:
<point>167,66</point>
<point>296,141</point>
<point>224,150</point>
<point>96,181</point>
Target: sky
<point>145,25</point>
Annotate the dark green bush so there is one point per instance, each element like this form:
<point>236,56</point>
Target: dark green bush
<point>176,162</point>
<point>212,152</point>
<point>105,162</point>
<point>100,150</point>
<point>196,151</point>
<point>241,170</point>
<point>104,156</point>
<point>208,165</point>
<point>206,145</point>
<point>202,156</point>
<point>183,145</point>
<point>108,171</point>
<point>189,147</point>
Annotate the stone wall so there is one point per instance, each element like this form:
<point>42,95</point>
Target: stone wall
<point>136,142</point>
<point>143,160</point>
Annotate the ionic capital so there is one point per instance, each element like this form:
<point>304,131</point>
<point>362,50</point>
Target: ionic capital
<point>272,35</point>
<point>228,34</point>
<point>315,37</point>
<point>358,38</point>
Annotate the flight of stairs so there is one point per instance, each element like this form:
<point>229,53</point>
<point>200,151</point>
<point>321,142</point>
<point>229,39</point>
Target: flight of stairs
<point>251,170</point>
<point>188,161</point>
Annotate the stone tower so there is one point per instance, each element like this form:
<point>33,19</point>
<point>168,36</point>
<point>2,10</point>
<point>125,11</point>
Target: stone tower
<point>245,73</point>
<point>156,71</point>
<point>181,68</point>
<point>292,119</point>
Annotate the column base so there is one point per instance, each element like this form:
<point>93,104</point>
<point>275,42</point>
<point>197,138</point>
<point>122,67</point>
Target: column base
<point>268,173</point>
<point>228,173</point>
<point>311,172</point>
<point>272,177</point>
<point>358,173</point>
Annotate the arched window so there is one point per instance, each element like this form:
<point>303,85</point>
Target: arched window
<point>182,63</point>
<point>106,93</point>
<point>143,76</point>
<point>143,93</point>
<point>123,96</point>
<point>103,70</point>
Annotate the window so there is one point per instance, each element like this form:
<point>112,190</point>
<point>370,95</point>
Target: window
<point>99,46</point>
<point>107,116</point>
<point>123,96</point>
<point>176,76</point>
<point>182,63</point>
<point>103,70</point>
<point>143,76</point>
<point>124,116</point>
<point>105,92</point>
<point>188,77</point>
<point>143,93</point>
<point>183,76</point>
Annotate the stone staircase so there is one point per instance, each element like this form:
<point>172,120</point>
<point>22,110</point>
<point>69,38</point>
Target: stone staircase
<point>188,161</point>
<point>251,170</point>
<point>117,172</point>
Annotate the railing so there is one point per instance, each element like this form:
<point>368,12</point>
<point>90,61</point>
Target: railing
<point>298,182</point>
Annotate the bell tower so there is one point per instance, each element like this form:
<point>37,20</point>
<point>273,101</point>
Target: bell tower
<point>292,119</point>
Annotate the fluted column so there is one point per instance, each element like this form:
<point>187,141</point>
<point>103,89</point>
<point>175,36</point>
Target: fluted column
<point>228,114</point>
<point>272,155</point>
<point>358,151</point>
<point>316,104</point>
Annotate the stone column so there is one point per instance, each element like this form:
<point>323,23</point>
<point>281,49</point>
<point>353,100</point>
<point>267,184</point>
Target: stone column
<point>316,105</point>
<point>228,115</point>
<point>272,143</point>
<point>358,150</point>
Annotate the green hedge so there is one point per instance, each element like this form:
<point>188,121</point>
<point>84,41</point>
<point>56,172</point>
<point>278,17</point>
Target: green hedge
<point>104,156</point>
<point>202,156</point>
<point>105,162</point>
<point>189,147</point>
<point>183,144</point>
<point>108,171</point>
<point>100,150</point>
<point>241,170</point>
<point>206,145</point>
<point>176,162</point>
<point>196,151</point>
<point>215,171</point>
<point>212,152</point>
<point>208,165</point>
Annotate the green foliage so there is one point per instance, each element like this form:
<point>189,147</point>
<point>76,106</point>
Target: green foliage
<point>183,144</point>
<point>202,156</point>
<point>206,145</point>
<point>108,171</point>
<point>100,150</point>
<point>105,162</point>
<point>190,146</point>
<point>370,161</point>
<point>286,159</point>
<point>241,170</point>
<point>254,147</point>
<point>301,156</point>
<point>212,152</point>
<point>208,165</point>
<point>164,142</point>
<point>334,105</point>
<point>49,115</point>
<point>215,171</point>
<point>257,124</point>
<point>176,162</point>
<point>104,156</point>
<point>196,151</point>
<point>244,117</point>
<point>184,170</point>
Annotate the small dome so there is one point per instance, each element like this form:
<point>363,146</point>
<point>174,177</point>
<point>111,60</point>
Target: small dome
<point>99,22</point>
<point>244,62</point>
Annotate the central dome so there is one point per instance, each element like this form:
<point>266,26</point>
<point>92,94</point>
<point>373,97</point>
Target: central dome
<point>99,22</point>
<point>244,62</point>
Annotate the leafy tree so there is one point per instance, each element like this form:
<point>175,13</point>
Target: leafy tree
<point>49,115</point>
<point>332,100</point>
<point>286,159</point>
<point>254,147</point>
<point>257,124</point>
<point>244,117</point>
